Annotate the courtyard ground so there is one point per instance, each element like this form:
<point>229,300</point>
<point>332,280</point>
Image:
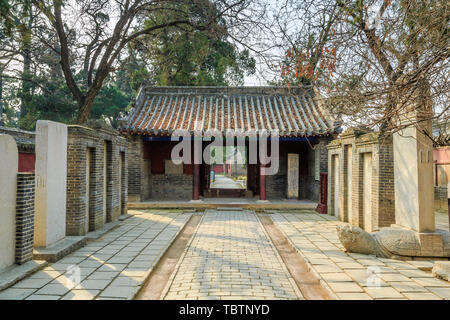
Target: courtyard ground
<point>229,256</point>
<point>224,182</point>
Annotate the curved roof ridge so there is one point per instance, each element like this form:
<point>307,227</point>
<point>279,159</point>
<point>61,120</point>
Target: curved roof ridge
<point>240,110</point>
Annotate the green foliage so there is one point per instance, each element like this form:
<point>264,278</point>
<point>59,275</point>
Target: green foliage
<point>173,56</point>
<point>110,104</point>
<point>6,21</point>
<point>189,56</point>
<point>54,103</point>
<point>13,14</point>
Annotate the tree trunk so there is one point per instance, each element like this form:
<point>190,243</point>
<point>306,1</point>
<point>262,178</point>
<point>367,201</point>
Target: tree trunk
<point>84,108</point>
<point>26,73</point>
<point>84,111</point>
<point>86,102</point>
<point>1,99</point>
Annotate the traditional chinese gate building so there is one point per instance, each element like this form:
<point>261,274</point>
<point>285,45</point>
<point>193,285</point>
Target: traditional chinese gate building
<point>304,125</point>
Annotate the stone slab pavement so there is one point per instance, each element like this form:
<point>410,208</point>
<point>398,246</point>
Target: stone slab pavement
<point>224,182</point>
<point>230,257</point>
<point>112,267</point>
<point>356,276</point>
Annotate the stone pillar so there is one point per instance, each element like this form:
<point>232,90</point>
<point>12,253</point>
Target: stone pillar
<point>413,178</point>
<point>51,173</point>
<point>292,176</point>
<point>9,160</point>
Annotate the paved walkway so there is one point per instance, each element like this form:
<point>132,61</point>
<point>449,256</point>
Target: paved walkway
<point>113,267</point>
<point>224,182</point>
<point>356,276</point>
<point>230,257</point>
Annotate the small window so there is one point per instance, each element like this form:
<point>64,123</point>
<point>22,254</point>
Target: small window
<point>317,164</point>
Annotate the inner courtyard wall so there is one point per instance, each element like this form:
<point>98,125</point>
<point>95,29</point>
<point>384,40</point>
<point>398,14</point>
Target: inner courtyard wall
<point>90,202</point>
<point>377,186</point>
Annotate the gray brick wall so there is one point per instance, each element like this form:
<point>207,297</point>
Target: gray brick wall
<point>80,205</point>
<point>136,167</point>
<point>171,187</point>
<point>382,187</point>
<point>24,217</point>
<point>276,185</point>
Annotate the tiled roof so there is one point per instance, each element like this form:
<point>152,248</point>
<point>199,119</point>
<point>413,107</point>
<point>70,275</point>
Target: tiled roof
<point>293,112</point>
<point>25,140</point>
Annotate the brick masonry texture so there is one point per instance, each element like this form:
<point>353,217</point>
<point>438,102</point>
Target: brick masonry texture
<point>382,187</point>
<point>24,217</point>
<point>135,168</point>
<point>144,185</point>
<point>80,205</point>
<point>173,186</point>
<point>276,184</point>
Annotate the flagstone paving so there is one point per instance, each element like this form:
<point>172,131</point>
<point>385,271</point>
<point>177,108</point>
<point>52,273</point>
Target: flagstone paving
<point>356,276</point>
<point>231,257</point>
<point>112,267</point>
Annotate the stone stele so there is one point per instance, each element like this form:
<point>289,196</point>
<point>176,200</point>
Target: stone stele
<point>413,179</point>
<point>8,188</point>
<point>292,176</point>
<point>51,173</point>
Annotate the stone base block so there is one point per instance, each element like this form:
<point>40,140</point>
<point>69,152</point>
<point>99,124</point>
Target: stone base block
<point>60,249</point>
<point>431,244</point>
<point>134,198</point>
<point>15,273</point>
<point>322,208</point>
<point>441,270</point>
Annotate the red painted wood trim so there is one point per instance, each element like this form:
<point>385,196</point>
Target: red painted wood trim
<point>27,162</point>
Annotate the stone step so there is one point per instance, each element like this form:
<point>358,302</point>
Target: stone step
<point>229,209</point>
